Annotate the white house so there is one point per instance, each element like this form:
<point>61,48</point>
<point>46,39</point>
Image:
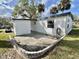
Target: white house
<point>22,26</point>
<point>60,24</point>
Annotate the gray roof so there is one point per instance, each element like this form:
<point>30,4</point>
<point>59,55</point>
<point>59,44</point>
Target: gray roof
<point>63,14</point>
<point>19,19</point>
<point>59,15</point>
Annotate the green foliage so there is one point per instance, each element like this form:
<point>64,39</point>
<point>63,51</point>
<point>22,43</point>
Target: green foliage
<point>41,8</point>
<point>4,44</point>
<point>63,5</point>
<point>54,10</point>
<point>24,6</point>
<point>24,2</point>
<point>16,11</point>
<point>5,22</point>
<point>30,8</point>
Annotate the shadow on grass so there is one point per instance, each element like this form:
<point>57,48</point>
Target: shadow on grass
<point>74,33</point>
<point>76,26</point>
<point>5,44</point>
<point>74,44</point>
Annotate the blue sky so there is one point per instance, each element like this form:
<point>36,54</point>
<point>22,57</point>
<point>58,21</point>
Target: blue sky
<point>7,6</point>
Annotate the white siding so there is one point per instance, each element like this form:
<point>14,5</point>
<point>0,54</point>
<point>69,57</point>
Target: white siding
<point>22,27</point>
<point>60,23</point>
<point>41,26</point>
<point>33,25</point>
<point>68,21</point>
<point>25,26</point>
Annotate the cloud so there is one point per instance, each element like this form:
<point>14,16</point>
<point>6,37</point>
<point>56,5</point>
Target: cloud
<point>58,2</point>
<point>8,7</point>
<point>8,1</point>
<point>5,1</point>
<point>72,5</point>
<point>6,14</point>
<point>1,1</point>
<point>72,0</point>
<point>2,7</point>
<point>44,1</point>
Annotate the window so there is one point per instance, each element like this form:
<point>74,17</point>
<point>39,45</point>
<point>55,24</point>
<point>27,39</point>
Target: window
<point>50,24</point>
<point>68,26</point>
<point>34,22</point>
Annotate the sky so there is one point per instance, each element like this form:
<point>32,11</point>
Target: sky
<point>7,6</point>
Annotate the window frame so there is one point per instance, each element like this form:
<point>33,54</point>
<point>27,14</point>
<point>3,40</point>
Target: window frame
<point>50,24</point>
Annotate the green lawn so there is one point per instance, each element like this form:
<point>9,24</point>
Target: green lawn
<point>68,48</point>
<point>5,36</point>
<point>4,44</point>
<point>2,30</point>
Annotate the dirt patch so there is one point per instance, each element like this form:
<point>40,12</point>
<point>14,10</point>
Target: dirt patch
<point>35,39</point>
<point>10,54</point>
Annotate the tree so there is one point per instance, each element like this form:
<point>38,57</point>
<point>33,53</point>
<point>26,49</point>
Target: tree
<point>41,8</point>
<point>31,9</point>
<point>63,5</point>
<point>6,22</point>
<point>54,10</point>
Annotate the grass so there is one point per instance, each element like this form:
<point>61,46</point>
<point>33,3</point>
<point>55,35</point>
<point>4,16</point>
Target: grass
<point>5,36</point>
<point>2,30</point>
<point>68,48</point>
<point>5,45</point>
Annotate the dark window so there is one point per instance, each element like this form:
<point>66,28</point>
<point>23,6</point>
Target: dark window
<point>34,22</point>
<point>68,26</point>
<point>50,24</point>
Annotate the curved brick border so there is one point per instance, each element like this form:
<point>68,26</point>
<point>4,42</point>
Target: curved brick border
<point>34,54</point>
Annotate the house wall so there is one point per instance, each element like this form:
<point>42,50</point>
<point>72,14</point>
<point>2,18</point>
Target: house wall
<point>64,22</point>
<point>41,26</point>
<point>68,26</point>
<point>22,27</point>
<point>25,26</point>
<point>59,22</point>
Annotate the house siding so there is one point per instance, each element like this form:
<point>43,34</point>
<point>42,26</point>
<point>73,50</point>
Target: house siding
<point>68,21</point>
<point>22,27</point>
<point>41,26</point>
